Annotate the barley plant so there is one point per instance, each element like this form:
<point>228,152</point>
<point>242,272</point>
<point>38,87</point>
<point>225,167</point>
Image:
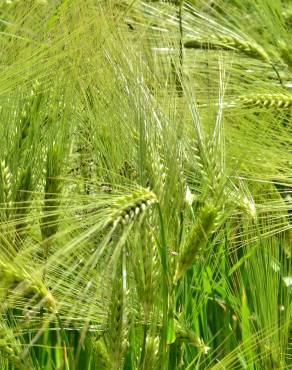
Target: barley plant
<point>145,184</point>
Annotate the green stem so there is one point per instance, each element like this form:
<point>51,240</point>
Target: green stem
<point>165,292</point>
<point>66,345</point>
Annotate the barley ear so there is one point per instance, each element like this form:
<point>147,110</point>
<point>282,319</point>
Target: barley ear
<point>10,348</point>
<point>5,190</point>
<point>186,334</point>
<point>286,52</point>
<point>24,284</point>
<point>23,199</point>
<point>151,272</point>
<point>53,188</point>
<point>29,109</point>
<point>101,356</point>
<point>151,352</point>
<point>118,320</point>
<point>196,240</point>
<point>275,101</point>
<point>250,48</point>
<point>131,206</point>
<point>226,42</point>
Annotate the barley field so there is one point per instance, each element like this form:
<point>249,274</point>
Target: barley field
<point>145,184</point>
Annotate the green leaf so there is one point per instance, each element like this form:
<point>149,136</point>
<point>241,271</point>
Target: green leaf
<point>171,337</point>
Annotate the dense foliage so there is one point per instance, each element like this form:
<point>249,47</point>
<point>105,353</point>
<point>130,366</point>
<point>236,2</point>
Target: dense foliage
<point>145,184</point>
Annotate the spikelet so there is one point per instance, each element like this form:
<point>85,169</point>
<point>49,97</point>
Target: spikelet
<point>23,283</point>
<point>285,52</point>
<point>24,179</point>
<point>118,321</point>
<point>10,348</point>
<point>129,207</point>
<point>183,333</point>
<point>209,168</point>
<point>22,198</point>
<point>198,155</point>
<point>215,170</point>
<point>128,171</point>
<point>30,108</point>
<point>248,48</point>
<point>242,201</point>
<point>159,171</point>
<point>151,352</point>
<point>281,101</point>
<point>101,356</point>
<point>196,240</point>
<point>151,275</point>
<point>5,189</point>
<point>53,187</point>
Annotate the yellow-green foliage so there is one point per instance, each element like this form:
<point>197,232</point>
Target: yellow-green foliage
<point>145,184</point>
